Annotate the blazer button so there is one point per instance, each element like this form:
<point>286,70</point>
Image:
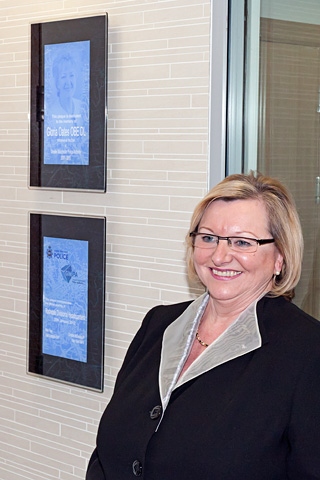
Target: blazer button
<point>156,412</point>
<point>137,468</point>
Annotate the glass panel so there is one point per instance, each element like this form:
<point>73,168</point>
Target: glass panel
<point>288,126</point>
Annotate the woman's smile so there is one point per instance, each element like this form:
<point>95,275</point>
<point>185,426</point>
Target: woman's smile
<point>225,273</point>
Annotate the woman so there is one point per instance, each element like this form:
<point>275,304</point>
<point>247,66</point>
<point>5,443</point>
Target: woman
<point>226,387</point>
<point>65,75</point>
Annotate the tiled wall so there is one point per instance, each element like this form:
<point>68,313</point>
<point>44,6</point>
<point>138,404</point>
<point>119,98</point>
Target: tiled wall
<point>157,171</point>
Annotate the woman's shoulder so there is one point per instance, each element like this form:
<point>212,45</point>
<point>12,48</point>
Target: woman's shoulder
<point>149,335</point>
<point>287,307</point>
<point>171,308</point>
<point>282,318</point>
<point>165,314</point>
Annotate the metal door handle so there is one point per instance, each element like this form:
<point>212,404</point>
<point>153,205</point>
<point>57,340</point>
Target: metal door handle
<point>317,190</point>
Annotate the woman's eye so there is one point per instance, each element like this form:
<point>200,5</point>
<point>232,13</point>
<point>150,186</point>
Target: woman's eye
<point>208,238</point>
<point>242,243</point>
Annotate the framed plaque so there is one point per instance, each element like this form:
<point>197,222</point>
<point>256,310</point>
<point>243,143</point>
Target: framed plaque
<point>66,298</point>
<point>68,104</point>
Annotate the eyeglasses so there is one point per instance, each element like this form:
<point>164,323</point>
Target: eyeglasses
<point>237,244</point>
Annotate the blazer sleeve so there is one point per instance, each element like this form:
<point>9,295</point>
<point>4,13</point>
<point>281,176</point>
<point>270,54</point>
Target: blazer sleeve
<point>94,470</point>
<point>135,344</point>
<point>152,328</point>
<point>304,427</point>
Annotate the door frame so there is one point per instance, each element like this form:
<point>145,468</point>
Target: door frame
<point>218,91</point>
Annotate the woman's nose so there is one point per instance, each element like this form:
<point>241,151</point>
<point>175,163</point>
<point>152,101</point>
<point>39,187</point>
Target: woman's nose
<point>222,252</point>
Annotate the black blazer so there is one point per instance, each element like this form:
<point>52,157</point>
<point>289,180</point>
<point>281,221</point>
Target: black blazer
<point>256,417</point>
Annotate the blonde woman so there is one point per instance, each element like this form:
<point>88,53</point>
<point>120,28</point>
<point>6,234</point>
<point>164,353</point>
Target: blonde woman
<point>225,387</point>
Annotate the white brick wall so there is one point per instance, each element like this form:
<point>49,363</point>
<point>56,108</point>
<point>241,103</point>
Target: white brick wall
<point>157,171</point>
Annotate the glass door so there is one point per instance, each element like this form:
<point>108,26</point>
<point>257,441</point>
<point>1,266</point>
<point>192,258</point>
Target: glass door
<point>288,119</point>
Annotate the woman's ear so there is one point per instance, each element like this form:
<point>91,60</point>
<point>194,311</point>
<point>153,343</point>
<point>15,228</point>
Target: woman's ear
<point>278,264</point>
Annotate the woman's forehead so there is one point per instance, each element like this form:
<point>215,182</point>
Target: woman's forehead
<point>241,212</point>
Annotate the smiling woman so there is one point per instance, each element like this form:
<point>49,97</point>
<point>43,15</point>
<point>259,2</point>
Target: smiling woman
<point>272,208</point>
<point>233,276</point>
<point>201,376</point>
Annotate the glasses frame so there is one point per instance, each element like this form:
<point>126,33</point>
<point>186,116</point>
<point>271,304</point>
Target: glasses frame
<point>260,241</point>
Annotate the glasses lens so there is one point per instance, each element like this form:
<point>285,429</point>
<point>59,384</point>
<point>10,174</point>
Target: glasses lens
<point>205,240</point>
<point>240,244</point>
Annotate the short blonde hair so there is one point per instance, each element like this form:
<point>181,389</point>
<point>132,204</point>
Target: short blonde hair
<point>284,224</point>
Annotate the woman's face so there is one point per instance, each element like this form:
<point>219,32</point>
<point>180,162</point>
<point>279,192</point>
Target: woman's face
<point>66,82</point>
<point>230,276</point>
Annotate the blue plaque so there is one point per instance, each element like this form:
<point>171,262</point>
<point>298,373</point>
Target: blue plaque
<point>65,298</point>
<point>66,103</point>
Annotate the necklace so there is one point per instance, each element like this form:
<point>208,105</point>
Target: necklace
<point>201,342</point>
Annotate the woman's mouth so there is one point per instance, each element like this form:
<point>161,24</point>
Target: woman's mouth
<point>225,273</point>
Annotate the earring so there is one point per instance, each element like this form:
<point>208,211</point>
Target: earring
<point>277,273</point>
